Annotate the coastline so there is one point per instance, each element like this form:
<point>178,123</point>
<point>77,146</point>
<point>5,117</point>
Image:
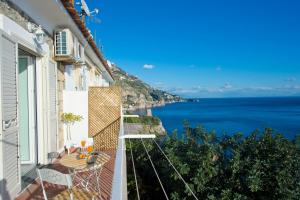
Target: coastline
<point>150,106</point>
<point>232,115</point>
<point>147,111</point>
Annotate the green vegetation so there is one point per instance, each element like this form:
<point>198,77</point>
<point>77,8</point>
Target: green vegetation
<point>137,93</point>
<point>145,120</point>
<point>70,118</point>
<point>263,165</point>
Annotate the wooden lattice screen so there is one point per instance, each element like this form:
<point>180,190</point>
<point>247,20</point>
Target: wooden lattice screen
<point>104,116</point>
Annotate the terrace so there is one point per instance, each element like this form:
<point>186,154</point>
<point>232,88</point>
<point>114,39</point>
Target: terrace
<point>105,124</point>
<point>34,191</point>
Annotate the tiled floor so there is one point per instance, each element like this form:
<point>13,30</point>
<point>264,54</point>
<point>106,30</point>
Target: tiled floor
<point>34,191</point>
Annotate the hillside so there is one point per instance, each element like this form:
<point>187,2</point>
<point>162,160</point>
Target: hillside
<point>137,94</point>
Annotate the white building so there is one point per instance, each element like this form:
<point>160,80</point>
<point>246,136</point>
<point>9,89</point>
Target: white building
<point>35,72</point>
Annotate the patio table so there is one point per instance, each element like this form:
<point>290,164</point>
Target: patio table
<point>77,166</point>
<point>70,161</point>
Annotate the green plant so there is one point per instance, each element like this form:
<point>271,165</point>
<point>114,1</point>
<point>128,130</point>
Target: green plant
<point>69,119</point>
<point>261,166</point>
<point>145,120</point>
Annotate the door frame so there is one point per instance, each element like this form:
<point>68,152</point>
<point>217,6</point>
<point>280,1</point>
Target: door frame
<point>31,77</point>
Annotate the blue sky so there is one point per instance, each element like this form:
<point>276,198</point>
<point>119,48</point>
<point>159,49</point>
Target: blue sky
<point>205,48</point>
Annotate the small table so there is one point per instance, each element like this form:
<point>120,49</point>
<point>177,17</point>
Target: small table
<point>75,166</point>
<point>80,165</point>
<point>71,161</point>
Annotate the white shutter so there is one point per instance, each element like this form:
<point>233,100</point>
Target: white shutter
<point>52,80</point>
<point>88,79</point>
<point>83,78</point>
<point>69,80</point>
<point>11,183</point>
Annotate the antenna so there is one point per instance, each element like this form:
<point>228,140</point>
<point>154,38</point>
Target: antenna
<point>95,11</point>
<point>85,11</point>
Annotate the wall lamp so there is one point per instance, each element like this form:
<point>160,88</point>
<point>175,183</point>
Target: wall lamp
<point>40,35</point>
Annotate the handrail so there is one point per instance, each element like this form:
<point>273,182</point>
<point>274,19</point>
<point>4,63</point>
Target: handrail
<point>119,187</point>
<point>133,116</point>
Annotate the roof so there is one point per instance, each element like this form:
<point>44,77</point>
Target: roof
<point>69,6</point>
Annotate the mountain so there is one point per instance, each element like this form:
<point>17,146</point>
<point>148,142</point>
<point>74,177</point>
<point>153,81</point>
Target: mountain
<point>137,94</point>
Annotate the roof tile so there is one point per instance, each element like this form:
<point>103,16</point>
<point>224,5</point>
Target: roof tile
<point>82,27</point>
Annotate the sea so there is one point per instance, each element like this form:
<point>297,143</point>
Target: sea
<point>232,115</point>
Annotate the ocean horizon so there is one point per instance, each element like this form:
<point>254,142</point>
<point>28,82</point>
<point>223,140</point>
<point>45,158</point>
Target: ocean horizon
<point>231,115</point>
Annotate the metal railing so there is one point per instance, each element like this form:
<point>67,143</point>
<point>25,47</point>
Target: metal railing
<point>119,187</point>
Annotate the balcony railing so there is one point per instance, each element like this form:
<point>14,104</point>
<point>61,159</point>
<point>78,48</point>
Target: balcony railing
<point>119,190</point>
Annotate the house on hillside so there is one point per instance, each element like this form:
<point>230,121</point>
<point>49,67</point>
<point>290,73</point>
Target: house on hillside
<point>47,58</point>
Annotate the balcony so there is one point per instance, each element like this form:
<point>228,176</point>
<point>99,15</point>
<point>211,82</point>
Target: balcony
<point>34,191</point>
<point>105,126</point>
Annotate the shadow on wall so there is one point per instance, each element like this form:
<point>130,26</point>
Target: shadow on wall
<point>4,194</point>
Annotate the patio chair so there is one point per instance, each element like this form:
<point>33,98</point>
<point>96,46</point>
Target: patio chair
<point>52,156</point>
<point>57,178</point>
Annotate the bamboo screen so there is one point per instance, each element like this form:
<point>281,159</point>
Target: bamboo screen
<point>104,116</point>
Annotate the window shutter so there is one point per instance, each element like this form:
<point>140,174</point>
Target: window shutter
<point>11,183</point>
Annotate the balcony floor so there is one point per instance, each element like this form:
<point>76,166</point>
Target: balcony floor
<point>34,191</point>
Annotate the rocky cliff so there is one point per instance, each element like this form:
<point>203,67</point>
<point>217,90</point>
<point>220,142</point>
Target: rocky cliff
<point>137,94</point>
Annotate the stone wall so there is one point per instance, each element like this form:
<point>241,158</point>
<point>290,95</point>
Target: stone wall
<point>9,10</point>
<point>60,87</point>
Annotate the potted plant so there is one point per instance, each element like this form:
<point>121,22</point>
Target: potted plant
<point>70,119</point>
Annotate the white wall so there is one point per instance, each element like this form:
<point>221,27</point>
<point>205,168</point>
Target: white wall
<point>22,36</point>
<point>76,102</point>
<point>105,83</point>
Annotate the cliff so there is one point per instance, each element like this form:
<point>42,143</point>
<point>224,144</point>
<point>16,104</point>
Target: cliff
<point>137,94</point>
<point>144,125</point>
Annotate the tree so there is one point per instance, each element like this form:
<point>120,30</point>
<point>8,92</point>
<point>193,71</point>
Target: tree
<point>263,165</point>
<point>70,119</point>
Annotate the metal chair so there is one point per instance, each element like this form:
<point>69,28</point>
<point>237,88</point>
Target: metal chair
<point>58,178</point>
<point>52,156</point>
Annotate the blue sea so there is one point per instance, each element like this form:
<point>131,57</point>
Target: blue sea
<point>232,115</point>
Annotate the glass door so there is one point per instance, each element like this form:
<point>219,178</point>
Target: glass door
<point>26,84</point>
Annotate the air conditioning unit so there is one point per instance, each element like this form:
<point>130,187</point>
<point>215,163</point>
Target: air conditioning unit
<point>64,45</point>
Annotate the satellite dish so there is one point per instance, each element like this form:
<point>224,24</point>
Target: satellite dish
<point>85,8</point>
<point>85,11</point>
